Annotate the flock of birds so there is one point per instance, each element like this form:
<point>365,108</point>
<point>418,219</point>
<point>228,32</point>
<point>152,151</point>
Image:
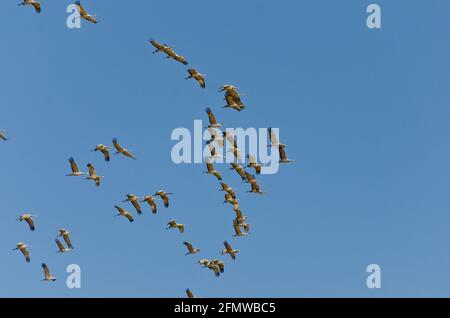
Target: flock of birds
<point>218,138</point>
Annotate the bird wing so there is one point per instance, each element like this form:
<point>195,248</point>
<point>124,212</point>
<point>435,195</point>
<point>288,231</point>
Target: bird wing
<point>117,145</point>
<point>73,165</point>
<point>90,18</point>
<point>91,170</point>
<point>60,245</point>
<point>46,270</point>
<point>212,118</point>
<point>81,9</point>
<point>157,45</point>
<point>209,167</point>
<point>137,206</point>
<point>189,246</point>
<point>25,253</point>
<point>37,6</point>
<point>120,209</point>
<point>165,199</point>
<point>273,137</point>
<point>189,293</point>
<point>105,153</point>
<point>129,216</point>
<point>282,152</point>
<point>30,222</point>
<point>66,238</point>
<point>228,247</point>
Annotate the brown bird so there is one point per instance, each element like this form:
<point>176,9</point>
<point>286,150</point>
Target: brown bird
<point>173,224</point>
<point>283,157</point>
<point>84,14</point>
<point>200,78</point>
<point>158,46</point>
<point>164,196</point>
<point>230,90</point>
<point>93,175</point>
<point>232,103</point>
<point>66,236</point>
<point>74,167</point>
<point>240,218</point>
<point>241,223</point>
<point>23,248</point>
<point>34,3</point>
<point>237,230</point>
<point>151,201</point>
<point>220,264</point>
<point>253,164</point>
<point>3,136</point>
<point>212,171</point>
<point>214,268</point>
<point>191,249</point>
<point>29,219</point>
<point>135,201</point>
<point>47,276</point>
<point>171,54</point>
<point>229,199</point>
<point>104,150</point>
<point>125,213</point>
<point>229,250</point>
<point>121,150</point>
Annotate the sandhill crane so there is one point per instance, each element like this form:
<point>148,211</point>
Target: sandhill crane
<point>227,189</point>
<point>231,103</point>
<point>214,268</point>
<point>200,78</point>
<point>66,236</point>
<point>164,196</point>
<point>104,150</point>
<point>283,157</point>
<point>158,46</point>
<point>220,264</point>
<point>212,171</point>
<point>229,250</point>
<point>229,199</point>
<point>135,201</point>
<point>239,170</point>
<point>230,90</point>
<point>171,54</point>
<point>151,201</point>
<point>212,119</point>
<point>3,136</point>
<point>172,224</point>
<point>122,150</point>
<point>191,249</point>
<point>22,247</point>
<point>241,223</point>
<point>255,187</point>
<point>189,293</point>
<point>273,139</point>
<point>29,219</point>
<point>253,164</point>
<point>237,230</point>
<point>75,171</point>
<point>84,14</point>
<point>61,247</point>
<point>93,175</point>
<point>125,213</point>
<point>47,276</point>
<point>34,3</point>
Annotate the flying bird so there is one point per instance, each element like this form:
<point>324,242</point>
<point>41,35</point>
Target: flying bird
<point>240,218</point>
<point>191,249</point>
<point>212,171</point>
<point>237,230</point>
<point>104,150</point>
<point>229,199</point>
<point>151,201</point>
<point>232,103</point>
<point>171,54</point>
<point>23,248</point>
<point>239,170</point>
<point>125,213</point>
<point>74,167</point>
<point>34,3</point>
<point>273,139</point>
<point>212,119</point>
<point>3,136</point>
<point>29,219</point>
<point>66,236</point>
<point>135,201</point>
<point>230,90</point>
<point>158,46</point>
<point>283,157</point>
<point>93,175</point>
<point>84,14</point>
<point>229,250</point>
<point>172,224</point>
<point>121,150</point>
<point>61,247</point>
<point>204,262</point>
<point>200,78</point>
<point>164,196</point>
<point>47,276</point>
<point>253,164</point>
<point>241,223</point>
<point>214,268</point>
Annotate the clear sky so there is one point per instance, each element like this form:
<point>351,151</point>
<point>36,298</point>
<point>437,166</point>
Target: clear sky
<point>364,113</point>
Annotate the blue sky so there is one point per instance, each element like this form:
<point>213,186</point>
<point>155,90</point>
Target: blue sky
<point>364,114</point>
